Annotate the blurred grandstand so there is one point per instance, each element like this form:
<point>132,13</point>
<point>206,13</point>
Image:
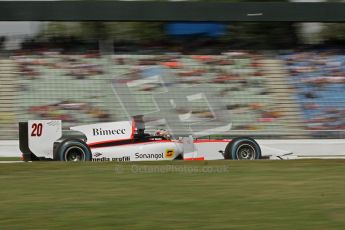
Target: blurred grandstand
<point>270,94</point>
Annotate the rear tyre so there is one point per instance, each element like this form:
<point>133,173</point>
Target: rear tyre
<point>73,150</point>
<point>242,148</point>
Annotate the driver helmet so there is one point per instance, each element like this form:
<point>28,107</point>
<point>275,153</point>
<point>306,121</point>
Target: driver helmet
<point>164,133</point>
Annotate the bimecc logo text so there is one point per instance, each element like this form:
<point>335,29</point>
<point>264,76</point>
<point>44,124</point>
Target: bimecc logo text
<point>108,132</point>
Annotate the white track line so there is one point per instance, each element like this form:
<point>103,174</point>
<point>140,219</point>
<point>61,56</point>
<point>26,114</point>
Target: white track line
<point>10,162</point>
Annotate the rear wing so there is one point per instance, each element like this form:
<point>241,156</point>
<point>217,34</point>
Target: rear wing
<point>24,142</point>
<point>37,137</point>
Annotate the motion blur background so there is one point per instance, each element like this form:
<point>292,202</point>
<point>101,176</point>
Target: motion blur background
<point>278,79</point>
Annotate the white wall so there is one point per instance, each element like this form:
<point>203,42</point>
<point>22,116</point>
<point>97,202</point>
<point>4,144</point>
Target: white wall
<point>9,149</point>
<point>19,28</point>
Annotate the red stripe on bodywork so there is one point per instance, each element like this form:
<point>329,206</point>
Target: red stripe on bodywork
<point>133,128</point>
<point>194,159</point>
<point>116,144</point>
<point>211,141</point>
<point>106,142</point>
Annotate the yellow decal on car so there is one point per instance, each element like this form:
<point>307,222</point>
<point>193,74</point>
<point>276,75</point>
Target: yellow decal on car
<point>169,153</point>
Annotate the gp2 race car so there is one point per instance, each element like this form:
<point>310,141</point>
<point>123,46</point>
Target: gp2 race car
<point>124,141</point>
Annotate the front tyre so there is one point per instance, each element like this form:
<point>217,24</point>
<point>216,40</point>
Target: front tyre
<point>242,148</point>
<point>73,150</point>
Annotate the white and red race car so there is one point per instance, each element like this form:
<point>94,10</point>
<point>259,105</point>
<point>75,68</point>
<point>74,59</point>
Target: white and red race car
<point>125,141</point>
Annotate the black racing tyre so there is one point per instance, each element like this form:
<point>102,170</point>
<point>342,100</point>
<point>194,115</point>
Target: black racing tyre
<point>242,148</point>
<point>73,150</point>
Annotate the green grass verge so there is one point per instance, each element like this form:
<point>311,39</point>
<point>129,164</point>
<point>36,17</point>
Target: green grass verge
<point>301,194</point>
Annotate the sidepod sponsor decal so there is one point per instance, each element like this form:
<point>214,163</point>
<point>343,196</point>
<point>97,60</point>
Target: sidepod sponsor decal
<point>154,156</point>
<point>97,154</point>
<point>169,153</point>
<point>125,158</point>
